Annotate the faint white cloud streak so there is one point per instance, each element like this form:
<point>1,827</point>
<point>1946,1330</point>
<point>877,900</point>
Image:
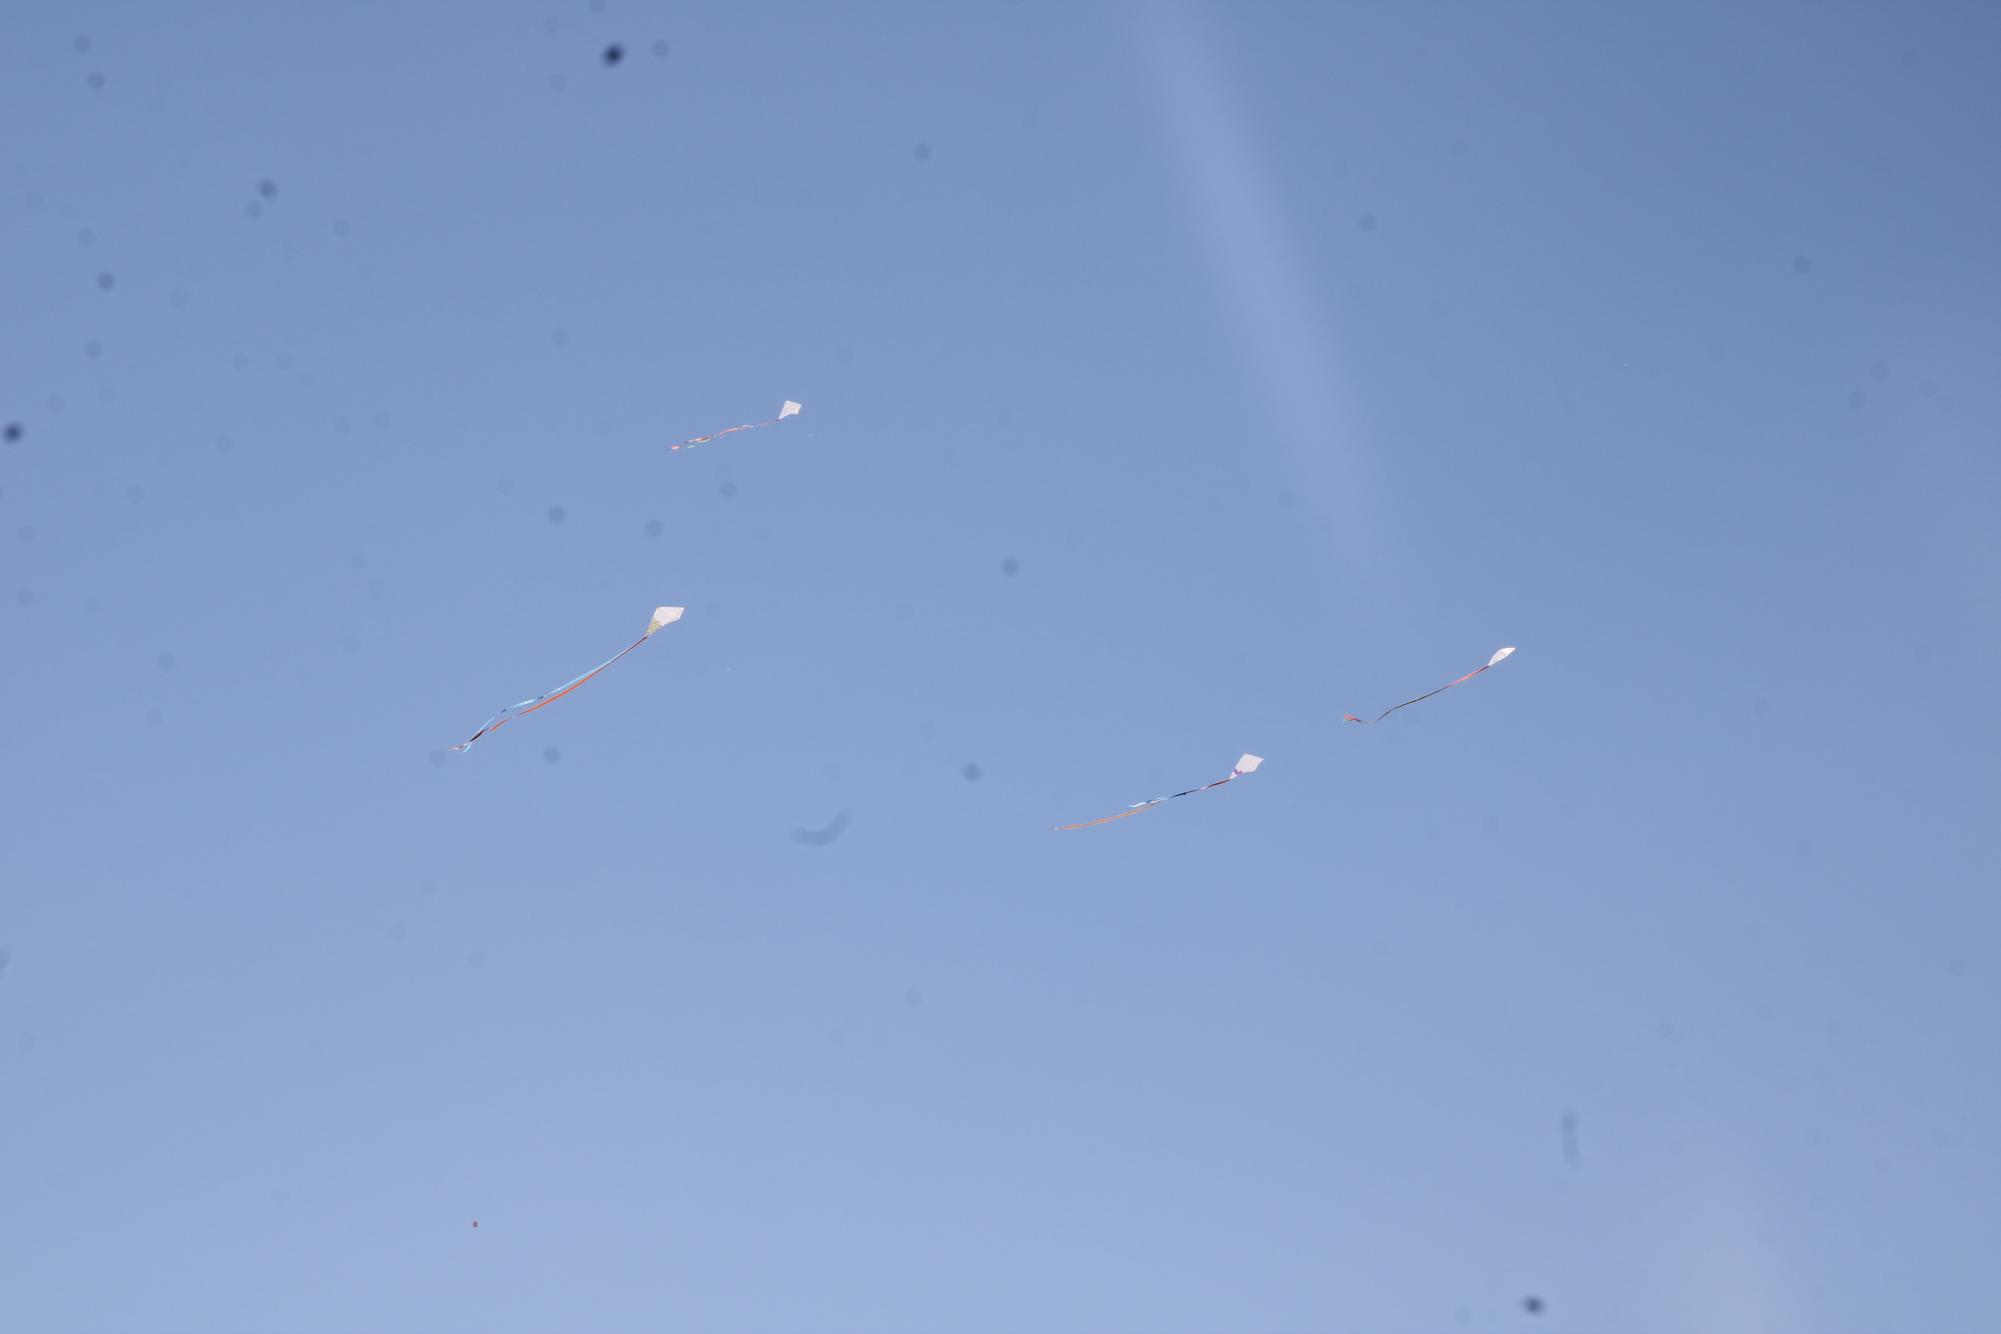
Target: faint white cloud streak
<point>1239,205</point>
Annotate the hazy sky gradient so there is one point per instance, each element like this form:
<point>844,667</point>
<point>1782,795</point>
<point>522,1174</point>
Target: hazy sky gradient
<point>1175,380</point>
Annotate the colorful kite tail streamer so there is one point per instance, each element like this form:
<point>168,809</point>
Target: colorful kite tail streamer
<point>662,616</point>
<point>790,409</point>
<point>1246,764</point>
<point>1370,722</point>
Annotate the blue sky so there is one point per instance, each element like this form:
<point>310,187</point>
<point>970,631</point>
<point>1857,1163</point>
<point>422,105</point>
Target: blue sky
<point>1176,379</point>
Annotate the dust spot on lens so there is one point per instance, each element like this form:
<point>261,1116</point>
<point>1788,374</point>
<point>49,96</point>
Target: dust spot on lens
<point>550,755</point>
<point>556,514</point>
<point>653,527</point>
<point>820,838</point>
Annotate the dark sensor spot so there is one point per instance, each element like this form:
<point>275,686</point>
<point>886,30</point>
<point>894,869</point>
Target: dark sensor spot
<point>820,838</point>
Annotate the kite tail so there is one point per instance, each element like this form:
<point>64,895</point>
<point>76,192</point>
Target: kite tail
<point>692,441</point>
<point>1245,765</point>
<point>1370,722</point>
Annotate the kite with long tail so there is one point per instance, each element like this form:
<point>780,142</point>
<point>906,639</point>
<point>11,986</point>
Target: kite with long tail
<point>1369,722</point>
<point>790,409</point>
<point>1247,764</point>
<point>661,616</point>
